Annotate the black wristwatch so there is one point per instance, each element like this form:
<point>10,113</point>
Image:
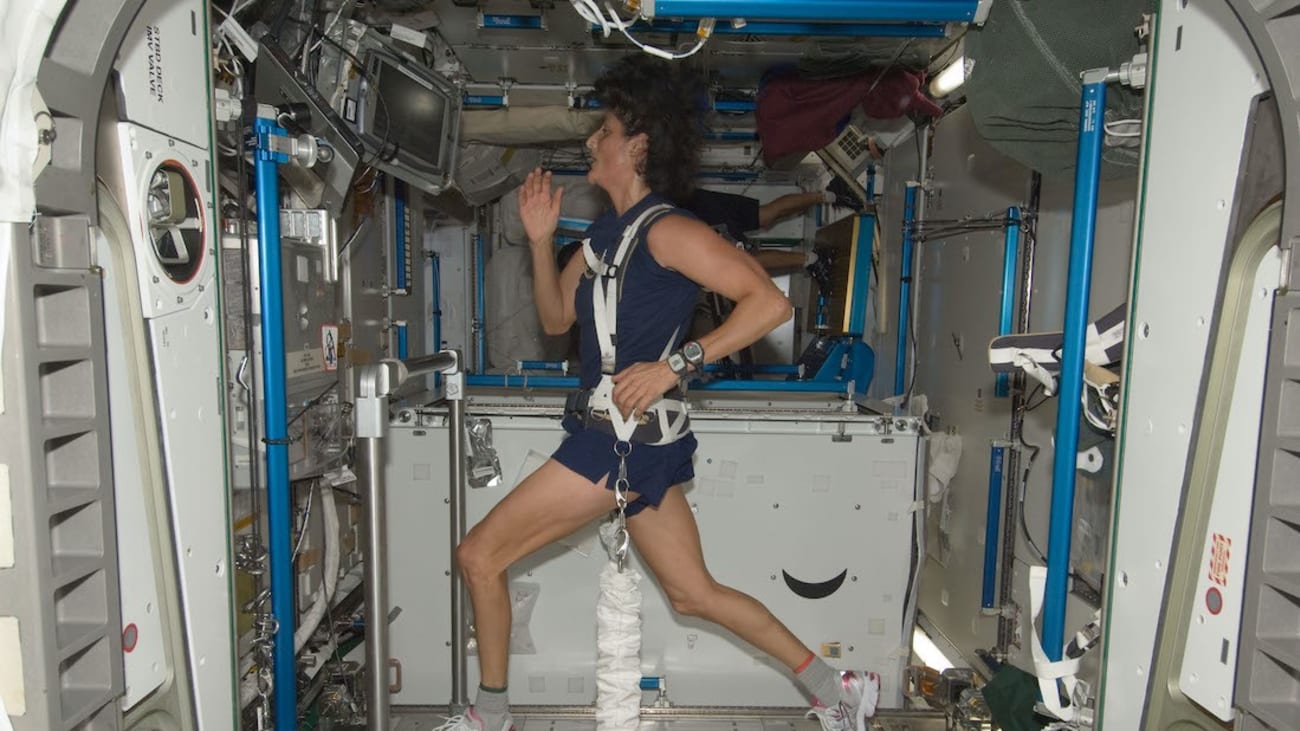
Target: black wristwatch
<point>693,352</point>
<point>690,358</point>
<point>677,363</point>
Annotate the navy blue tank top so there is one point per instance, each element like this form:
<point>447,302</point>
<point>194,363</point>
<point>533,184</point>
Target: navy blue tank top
<point>655,304</point>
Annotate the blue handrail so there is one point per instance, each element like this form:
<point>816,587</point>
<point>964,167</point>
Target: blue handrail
<point>1065,459</point>
<point>278,497</point>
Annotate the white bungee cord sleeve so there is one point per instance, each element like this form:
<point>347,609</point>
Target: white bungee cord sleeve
<point>618,641</point>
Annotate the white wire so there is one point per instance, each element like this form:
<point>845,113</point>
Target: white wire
<point>330,26</point>
<point>236,9</point>
<point>1112,128</point>
<point>592,13</point>
<point>306,518</point>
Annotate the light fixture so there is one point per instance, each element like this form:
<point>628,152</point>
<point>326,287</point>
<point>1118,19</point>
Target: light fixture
<point>928,652</point>
<point>951,78</point>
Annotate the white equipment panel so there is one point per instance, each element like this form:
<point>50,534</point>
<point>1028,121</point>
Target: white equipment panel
<point>186,362</point>
<point>170,215</point>
<point>162,69</point>
<point>144,646</point>
<point>1209,669</point>
<point>1187,191</point>
<point>772,498</point>
<point>146,155</point>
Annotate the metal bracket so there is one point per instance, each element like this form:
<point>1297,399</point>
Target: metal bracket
<point>840,436</point>
<point>1134,73</point>
<point>61,242</point>
<point>396,685</point>
<point>1090,461</point>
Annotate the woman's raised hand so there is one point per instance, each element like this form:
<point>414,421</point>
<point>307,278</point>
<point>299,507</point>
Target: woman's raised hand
<point>539,207</point>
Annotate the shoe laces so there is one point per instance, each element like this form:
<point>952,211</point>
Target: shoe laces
<point>459,722</point>
<point>833,718</point>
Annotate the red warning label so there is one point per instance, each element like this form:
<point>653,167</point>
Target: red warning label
<point>1220,551</point>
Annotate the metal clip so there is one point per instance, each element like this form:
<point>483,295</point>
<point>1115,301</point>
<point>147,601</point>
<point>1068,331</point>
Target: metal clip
<point>622,538</point>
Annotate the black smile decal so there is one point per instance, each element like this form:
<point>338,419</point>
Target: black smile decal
<point>818,590</point>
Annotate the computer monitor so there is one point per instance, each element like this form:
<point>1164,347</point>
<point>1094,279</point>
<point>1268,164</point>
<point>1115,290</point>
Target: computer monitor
<point>409,118</point>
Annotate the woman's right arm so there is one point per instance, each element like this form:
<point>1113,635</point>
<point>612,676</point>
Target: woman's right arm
<point>553,291</point>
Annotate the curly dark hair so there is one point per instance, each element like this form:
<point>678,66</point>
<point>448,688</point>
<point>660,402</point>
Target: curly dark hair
<point>659,98</point>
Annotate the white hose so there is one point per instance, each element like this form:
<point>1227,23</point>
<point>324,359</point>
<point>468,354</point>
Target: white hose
<point>618,650</point>
<point>324,595</point>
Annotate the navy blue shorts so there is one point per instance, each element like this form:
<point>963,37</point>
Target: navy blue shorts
<point>651,470</point>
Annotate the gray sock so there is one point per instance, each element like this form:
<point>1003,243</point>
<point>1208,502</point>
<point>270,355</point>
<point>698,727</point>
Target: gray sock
<point>821,681</point>
<point>493,706</point>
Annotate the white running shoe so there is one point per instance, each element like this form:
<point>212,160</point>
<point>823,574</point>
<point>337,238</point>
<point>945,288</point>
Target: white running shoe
<point>471,721</point>
<point>858,697</point>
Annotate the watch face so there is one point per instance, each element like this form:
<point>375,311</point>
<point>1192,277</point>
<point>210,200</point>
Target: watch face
<point>676,362</point>
<point>693,351</point>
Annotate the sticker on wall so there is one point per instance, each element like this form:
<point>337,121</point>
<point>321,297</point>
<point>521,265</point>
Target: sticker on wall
<point>329,346</point>
<point>303,362</point>
<point>1220,552</point>
<point>814,590</point>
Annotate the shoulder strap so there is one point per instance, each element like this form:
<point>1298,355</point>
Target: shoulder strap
<point>606,290</point>
<point>644,222</point>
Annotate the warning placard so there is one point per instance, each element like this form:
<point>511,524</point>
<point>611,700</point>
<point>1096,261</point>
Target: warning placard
<point>329,346</point>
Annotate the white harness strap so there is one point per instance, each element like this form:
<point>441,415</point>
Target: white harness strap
<point>609,276</point>
<point>1064,671</point>
<point>605,295</point>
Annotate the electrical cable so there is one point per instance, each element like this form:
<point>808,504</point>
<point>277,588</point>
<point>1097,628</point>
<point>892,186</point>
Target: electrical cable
<point>235,9</point>
<point>343,6</point>
<point>916,255</point>
<point>592,13</point>
<point>245,254</point>
<point>306,517</point>
<point>938,60</point>
<point>1022,490</point>
<point>1112,128</point>
<point>312,404</point>
<point>1024,524</point>
<point>360,227</point>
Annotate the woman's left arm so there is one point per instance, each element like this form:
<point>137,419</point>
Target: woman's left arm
<point>700,254</point>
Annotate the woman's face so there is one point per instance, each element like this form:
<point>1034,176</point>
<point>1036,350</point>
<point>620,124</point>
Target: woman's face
<point>614,155</point>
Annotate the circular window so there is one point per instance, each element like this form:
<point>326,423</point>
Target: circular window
<point>175,222</point>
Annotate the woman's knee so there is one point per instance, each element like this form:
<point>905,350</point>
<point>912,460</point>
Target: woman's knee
<point>475,559</point>
<point>694,601</point>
